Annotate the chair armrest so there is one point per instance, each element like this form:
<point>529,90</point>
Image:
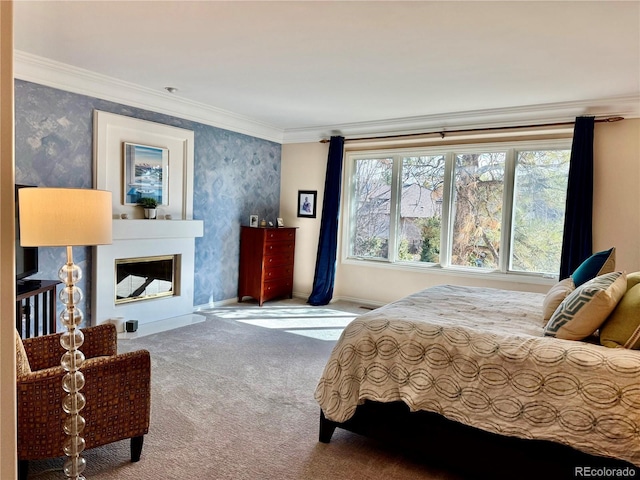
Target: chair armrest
<point>118,393</point>
<point>45,351</point>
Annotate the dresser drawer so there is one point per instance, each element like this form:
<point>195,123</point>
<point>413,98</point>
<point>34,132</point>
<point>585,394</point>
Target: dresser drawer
<point>277,248</point>
<point>283,259</point>
<point>275,272</point>
<point>277,288</point>
<point>280,235</point>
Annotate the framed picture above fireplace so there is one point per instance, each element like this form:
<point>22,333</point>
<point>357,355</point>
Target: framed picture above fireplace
<point>146,173</point>
<point>135,158</point>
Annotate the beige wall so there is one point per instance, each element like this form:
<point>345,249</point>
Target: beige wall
<point>616,220</point>
<point>303,168</point>
<point>7,275</point>
<point>616,204</point>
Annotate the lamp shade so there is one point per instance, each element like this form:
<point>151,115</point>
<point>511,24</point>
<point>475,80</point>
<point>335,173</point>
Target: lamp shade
<point>62,217</point>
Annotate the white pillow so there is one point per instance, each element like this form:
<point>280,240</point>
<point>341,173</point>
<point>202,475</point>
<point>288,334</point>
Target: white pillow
<point>587,307</point>
<point>555,296</point>
<point>22,361</point>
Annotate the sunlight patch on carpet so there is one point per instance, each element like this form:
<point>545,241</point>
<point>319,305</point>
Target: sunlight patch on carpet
<point>274,312</point>
<point>300,322</point>
<point>319,323</point>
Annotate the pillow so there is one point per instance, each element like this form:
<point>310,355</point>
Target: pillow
<point>555,296</point>
<point>22,362</point>
<point>632,280</point>
<point>622,327</point>
<point>587,307</point>
<point>594,266</point>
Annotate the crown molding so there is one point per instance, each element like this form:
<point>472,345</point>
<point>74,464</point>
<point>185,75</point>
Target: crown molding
<point>625,106</point>
<point>47,72</point>
<point>36,69</point>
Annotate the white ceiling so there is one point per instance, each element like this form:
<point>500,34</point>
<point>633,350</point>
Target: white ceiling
<point>299,65</point>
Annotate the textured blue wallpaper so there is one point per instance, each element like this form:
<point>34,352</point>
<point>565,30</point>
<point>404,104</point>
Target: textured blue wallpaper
<point>235,175</point>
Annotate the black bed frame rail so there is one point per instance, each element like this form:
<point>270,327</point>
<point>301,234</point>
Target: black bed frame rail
<point>471,452</point>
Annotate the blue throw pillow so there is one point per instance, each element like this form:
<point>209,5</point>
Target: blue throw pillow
<point>594,266</point>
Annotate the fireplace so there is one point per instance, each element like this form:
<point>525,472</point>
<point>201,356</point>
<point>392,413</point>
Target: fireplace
<point>156,254</point>
<point>145,278</point>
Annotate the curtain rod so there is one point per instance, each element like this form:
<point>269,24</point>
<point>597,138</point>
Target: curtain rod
<point>444,132</point>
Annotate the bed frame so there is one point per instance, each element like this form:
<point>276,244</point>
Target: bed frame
<point>471,452</point>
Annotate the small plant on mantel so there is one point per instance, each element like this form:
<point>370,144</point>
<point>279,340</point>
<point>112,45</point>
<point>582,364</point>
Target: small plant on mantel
<point>149,204</point>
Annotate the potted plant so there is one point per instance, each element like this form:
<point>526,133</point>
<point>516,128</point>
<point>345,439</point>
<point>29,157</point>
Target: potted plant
<point>149,204</point>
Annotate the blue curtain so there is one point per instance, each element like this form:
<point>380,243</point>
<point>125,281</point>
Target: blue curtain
<point>325,273</point>
<point>577,236</point>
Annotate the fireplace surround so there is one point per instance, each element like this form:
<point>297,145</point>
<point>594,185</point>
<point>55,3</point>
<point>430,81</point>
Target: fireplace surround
<point>147,238</point>
<point>134,237</point>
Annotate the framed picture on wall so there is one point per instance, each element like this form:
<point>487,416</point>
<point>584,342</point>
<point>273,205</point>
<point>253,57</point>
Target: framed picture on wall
<point>145,173</point>
<point>307,203</point>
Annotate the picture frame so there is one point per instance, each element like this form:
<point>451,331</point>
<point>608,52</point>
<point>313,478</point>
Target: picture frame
<point>145,173</point>
<point>307,203</point>
<point>253,220</point>
<point>279,222</point>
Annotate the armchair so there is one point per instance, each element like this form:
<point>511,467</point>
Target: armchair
<point>117,390</point>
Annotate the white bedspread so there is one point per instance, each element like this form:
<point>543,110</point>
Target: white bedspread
<point>478,356</point>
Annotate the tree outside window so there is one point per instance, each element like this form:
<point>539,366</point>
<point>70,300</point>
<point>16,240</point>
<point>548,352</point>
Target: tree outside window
<point>504,205</point>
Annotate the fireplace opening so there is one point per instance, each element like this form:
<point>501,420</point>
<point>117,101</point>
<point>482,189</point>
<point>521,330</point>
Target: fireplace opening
<point>143,278</point>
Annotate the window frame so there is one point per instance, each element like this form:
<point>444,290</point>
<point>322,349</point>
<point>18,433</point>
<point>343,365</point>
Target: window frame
<point>510,147</point>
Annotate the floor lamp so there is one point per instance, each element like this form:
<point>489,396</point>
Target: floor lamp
<point>67,217</point>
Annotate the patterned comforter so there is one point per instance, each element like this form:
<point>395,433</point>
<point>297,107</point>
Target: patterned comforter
<point>478,356</point>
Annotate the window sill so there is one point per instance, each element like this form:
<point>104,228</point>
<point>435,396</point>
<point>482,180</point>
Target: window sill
<point>532,279</point>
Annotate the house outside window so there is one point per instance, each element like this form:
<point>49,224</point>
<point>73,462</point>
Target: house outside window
<point>483,208</point>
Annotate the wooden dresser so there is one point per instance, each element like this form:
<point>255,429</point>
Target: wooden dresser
<point>266,263</point>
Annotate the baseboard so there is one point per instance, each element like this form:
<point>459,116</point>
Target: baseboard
<point>218,303</point>
<point>360,301</point>
<point>366,303</point>
<point>234,300</point>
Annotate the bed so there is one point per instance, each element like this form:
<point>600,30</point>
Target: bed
<point>476,362</point>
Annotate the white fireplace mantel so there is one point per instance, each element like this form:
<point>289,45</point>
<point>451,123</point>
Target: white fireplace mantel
<point>147,229</point>
<point>145,238</point>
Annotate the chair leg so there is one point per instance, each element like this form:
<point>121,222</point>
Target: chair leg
<point>136,448</point>
<point>23,469</point>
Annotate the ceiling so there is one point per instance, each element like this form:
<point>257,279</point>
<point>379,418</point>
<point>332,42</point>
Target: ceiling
<point>298,65</point>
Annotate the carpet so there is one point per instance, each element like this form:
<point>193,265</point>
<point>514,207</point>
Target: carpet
<point>232,398</point>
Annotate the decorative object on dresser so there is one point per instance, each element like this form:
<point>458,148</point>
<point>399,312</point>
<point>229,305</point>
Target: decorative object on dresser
<point>64,217</point>
<point>266,263</point>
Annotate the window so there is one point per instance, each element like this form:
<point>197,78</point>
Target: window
<point>497,207</point>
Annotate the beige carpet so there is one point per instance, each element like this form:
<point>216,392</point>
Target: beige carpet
<point>232,398</point>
